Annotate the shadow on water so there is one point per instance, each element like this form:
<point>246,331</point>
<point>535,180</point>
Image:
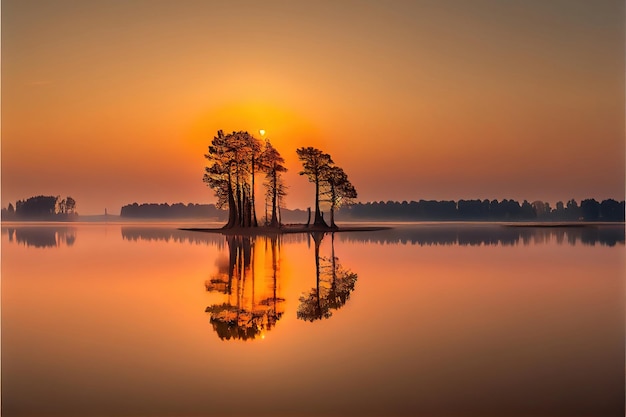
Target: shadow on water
<point>476,235</point>
<point>41,237</point>
<point>252,304</point>
<point>334,284</point>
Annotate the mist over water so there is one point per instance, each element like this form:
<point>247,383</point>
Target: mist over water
<point>420,319</point>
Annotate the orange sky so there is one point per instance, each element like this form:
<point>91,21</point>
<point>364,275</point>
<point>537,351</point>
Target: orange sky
<point>114,102</point>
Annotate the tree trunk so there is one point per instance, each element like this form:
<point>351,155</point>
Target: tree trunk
<point>246,211</point>
<point>332,254</point>
<point>274,222</point>
<point>332,206</point>
<point>232,207</point>
<point>319,220</point>
<point>239,207</point>
<point>252,202</point>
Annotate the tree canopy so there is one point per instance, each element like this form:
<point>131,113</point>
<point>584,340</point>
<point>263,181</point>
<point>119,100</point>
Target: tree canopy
<point>331,182</point>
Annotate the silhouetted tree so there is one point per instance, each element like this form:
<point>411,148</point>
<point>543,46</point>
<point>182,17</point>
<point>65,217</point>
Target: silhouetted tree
<point>39,207</point>
<point>527,211</point>
<point>572,210</point>
<point>611,210</point>
<point>340,190</point>
<point>177,210</point>
<point>590,209</point>
<point>272,164</point>
<point>233,162</point>
<point>315,165</point>
<point>8,213</point>
<point>70,205</point>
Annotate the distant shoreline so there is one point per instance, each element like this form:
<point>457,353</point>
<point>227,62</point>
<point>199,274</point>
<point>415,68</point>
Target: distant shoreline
<point>285,229</point>
<point>290,228</point>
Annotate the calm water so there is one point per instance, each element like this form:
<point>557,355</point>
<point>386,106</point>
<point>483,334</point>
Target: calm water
<point>421,320</point>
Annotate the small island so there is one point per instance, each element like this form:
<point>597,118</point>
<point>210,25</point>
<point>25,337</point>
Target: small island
<point>236,158</point>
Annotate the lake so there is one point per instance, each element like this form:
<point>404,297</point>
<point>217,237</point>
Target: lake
<point>418,320</point>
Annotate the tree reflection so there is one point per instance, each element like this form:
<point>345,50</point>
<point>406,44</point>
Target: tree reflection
<point>41,237</point>
<point>489,234</point>
<point>252,306</point>
<point>334,284</point>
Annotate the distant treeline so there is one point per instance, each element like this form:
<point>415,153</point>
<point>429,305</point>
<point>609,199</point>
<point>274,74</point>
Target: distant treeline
<point>174,211</point>
<point>42,207</point>
<point>196,211</point>
<point>485,210</point>
<point>424,210</point>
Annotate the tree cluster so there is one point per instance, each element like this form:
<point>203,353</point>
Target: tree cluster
<point>234,159</point>
<point>41,207</point>
<point>486,210</point>
<point>331,182</point>
<point>167,211</point>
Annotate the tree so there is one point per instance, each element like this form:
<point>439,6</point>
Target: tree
<point>41,207</point>
<point>340,191</point>
<point>315,165</point>
<point>60,207</point>
<point>70,205</point>
<point>217,175</point>
<point>272,164</point>
<point>590,209</point>
<point>233,162</point>
<point>573,211</point>
<point>611,210</point>
<point>542,209</point>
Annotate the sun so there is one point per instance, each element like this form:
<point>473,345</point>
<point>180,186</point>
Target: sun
<point>262,132</point>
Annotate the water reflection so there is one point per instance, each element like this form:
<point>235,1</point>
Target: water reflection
<point>41,237</point>
<point>334,284</point>
<point>416,234</point>
<point>169,234</point>
<point>519,330</point>
<point>249,309</point>
<point>475,235</point>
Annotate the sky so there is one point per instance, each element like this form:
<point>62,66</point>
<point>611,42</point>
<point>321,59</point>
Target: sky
<point>114,102</point>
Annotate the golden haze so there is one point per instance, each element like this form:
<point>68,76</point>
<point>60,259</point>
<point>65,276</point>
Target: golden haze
<point>115,102</point>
